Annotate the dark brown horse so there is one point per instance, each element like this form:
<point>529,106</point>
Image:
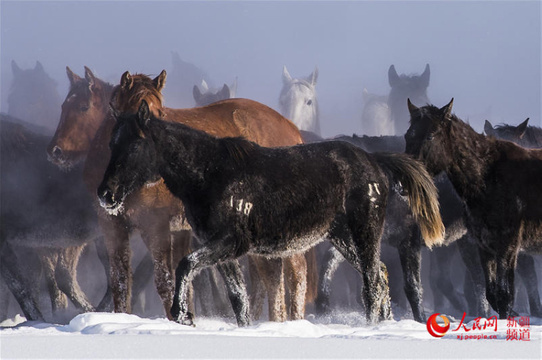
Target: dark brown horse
<point>255,122</point>
<point>44,212</point>
<point>500,184</point>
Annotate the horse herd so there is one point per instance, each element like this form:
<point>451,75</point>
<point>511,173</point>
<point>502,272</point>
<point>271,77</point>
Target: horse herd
<point>233,182</point>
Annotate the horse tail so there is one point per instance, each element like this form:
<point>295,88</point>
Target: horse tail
<point>419,188</point>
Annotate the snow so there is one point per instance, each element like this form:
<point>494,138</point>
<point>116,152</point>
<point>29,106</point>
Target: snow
<point>338,336</point>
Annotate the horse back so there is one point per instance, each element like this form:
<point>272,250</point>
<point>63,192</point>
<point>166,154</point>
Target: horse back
<point>239,117</point>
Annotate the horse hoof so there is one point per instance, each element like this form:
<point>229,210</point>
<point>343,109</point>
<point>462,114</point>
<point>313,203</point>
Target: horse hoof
<point>187,319</point>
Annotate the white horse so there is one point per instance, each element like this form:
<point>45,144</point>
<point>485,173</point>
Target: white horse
<point>297,101</point>
<point>376,116</point>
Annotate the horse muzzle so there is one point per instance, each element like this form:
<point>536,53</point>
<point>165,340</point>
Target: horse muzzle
<point>111,199</point>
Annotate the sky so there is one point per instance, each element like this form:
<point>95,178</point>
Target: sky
<point>485,54</point>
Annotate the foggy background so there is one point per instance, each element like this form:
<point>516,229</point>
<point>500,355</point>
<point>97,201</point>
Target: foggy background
<point>484,54</point>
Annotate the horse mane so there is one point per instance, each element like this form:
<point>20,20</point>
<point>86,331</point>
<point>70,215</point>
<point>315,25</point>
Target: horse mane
<point>473,152</point>
<point>238,148</point>
<point>531,138</point>
<point>141,88</point>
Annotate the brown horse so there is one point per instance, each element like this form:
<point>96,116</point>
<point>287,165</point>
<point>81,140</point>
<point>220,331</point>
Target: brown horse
<point>230,118</point>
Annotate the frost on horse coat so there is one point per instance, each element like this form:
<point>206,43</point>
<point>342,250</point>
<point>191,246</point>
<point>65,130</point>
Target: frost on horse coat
<point>498,180</point>
<point>242,198</point>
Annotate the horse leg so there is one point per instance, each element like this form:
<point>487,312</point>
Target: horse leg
<point>257,287</point>
<point>272,272</point>
<point>269,271</point>
<point>157,236</point>
<point>141,277</point>
<point>49,259</point>
<point>411,257</point>
<point>66,277</point>
<point>118,251</point>
<point>180,247</point>
<point>489,265</point>
<point>332,260</point>
<point>101,250</point>
<point>4,300</point>
<point>295,270</point>
<point>210,254</point>
<point>474,277</point>
<point>361,247</point>
<point>17,284</point>
<point>237,291</point>
<point>442,260</point>
<point>526,270</point>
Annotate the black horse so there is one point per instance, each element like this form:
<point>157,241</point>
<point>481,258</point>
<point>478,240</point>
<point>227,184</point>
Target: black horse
<point>523,134</point>
<point>529,137</point>
<point>242,198</point>
<point>401,232</point>
<point>46,221</point>
<point>499,182</point>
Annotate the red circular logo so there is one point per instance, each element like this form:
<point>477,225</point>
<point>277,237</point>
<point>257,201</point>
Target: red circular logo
<point>434,328</point>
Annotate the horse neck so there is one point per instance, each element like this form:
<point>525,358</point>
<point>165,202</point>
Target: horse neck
<point>533,137</point>
<point>184,162</point>
<point>473,155</point>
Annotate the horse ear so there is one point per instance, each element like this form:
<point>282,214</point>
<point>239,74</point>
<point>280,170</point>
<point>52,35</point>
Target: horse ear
<point>15,68</point>
<point>73,77</point>
<point>488,128</point>
<point>447,110</point>
<point>314,76</point>
<point>233,88</point>
<point>196,93</point>
<point>143,115</point>
<point>411,107</point>
<point>286,77</point>
<point>39,67</point>
<point>393,78</point>
<point>225,92</point>
<point>126,81</point>
<point>204,85</point>
<point>160,80</point>
<point>425,76</point>
<point>521,128</point>
<point>90,77</point>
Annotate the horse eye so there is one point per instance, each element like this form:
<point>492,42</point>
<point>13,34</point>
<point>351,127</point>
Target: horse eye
<point>430,137</point>
<point>309,102</point>
<point>84,108</point>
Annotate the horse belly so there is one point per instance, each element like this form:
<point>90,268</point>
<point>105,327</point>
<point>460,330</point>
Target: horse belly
<point>290,246</point>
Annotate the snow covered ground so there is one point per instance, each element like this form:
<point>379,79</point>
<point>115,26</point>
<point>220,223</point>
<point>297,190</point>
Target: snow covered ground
<point>339,336</point>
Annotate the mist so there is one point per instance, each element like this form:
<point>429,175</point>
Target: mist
<point>485,54</point>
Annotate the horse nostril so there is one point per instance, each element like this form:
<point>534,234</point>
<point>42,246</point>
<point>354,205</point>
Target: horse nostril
<point>57,152</point>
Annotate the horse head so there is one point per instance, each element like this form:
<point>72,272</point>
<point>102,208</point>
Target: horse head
<point>33,96</point>
<point>133,89</point>
<point>428,137</point>
<point>298,102</point>
<point>209,96</point>
<point>133,161</point>
<point>507,132</point>
<point>413,87</point>
<point>83,111</point>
